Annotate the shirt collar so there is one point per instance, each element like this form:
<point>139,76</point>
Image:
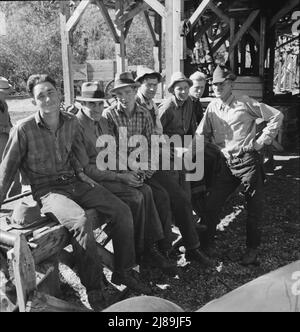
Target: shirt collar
<point>178,103</point>
<point>40,122</point>
<point>229,100</point>
<point>84,118</point>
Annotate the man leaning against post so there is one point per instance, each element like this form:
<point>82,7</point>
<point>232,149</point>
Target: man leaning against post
<point>41,147</point>
<point>230,123</point>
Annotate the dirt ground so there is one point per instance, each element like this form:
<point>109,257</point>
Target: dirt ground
<point>196,286</point>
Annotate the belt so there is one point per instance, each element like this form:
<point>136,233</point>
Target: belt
<point>65,178</point>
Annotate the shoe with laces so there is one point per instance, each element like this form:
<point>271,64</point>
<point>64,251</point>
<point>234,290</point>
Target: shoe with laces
<point>132,281</point>
<point>198,256</point>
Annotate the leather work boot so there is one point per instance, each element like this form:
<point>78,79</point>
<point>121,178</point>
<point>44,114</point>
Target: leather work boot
<point>250,257</point>
<point>155,258</point>
<point>96,300</point>
<point>132,280</point>
<point>199,256</point>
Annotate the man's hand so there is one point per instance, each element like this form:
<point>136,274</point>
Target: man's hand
<point>149,174</point>
<point>132,179</point>
<point>84,178</point>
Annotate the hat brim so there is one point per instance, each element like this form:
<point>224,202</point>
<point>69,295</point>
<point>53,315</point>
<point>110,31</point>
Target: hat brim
<point>7,90</point>
<point>90,99</point>
<point>171,86</point>
<point>133,85</point>
<point>230,77</point>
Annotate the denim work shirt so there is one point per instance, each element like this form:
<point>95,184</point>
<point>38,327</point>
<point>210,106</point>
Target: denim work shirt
<point>232,125</point>
<point>42,155</point>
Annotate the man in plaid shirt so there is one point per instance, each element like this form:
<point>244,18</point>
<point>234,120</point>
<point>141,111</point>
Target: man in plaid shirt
<point>41,147</point>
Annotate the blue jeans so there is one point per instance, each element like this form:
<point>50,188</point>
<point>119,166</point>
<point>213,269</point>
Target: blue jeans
<point>66,203</point>
<point>247,170</point>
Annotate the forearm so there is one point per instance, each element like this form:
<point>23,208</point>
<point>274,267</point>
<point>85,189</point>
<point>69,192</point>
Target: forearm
<point>97,175</point>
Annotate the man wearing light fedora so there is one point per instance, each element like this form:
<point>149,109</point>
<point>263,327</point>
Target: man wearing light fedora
<point>41,146</point>
<point>5,127</point>
<point>125,185</point>
<point>230,123</point>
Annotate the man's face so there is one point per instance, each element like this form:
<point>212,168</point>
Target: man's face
<point>181,91</point>
<point>149,87</point>
<point>223,90</point>
<point>46,98</point>
<point>93,109</point>
<point>197,90</point>
<point>126,97</point>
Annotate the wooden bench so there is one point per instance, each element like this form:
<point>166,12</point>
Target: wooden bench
<point>34,254</point>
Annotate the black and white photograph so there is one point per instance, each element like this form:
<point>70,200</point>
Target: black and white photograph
<point>149,158</point>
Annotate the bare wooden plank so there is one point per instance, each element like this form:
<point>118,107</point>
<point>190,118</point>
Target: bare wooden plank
<point>248,79</point>
<point>253,93</point>
<point>219,13</point>
<point>169,41</point>
<point>24,271</point>
<point>178,47</point>
<point>80,72</point>
<point>243,29</point>
<point>199,11</point>
<point>248,86</point>
<point>289,6</point>
<point>108,19</point>
<point>49,243</point>
<point>232,34</point>
<point>127,27</point>
<point>157,6</point>
<point>74,19</point>
<point>120,45</point>
<point>254,34</point>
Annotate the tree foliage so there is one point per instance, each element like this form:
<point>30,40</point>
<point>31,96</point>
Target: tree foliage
<point>33,43</point>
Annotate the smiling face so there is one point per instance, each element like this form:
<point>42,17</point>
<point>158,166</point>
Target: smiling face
<point>149,87</point>
<point>93,109</point>
<point>126,97</point>
<point>197,90</point>
<point>181,91</point>
<point>46,98</point>
<point>223,90</point>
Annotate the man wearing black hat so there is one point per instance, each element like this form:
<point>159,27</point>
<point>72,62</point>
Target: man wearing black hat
<point>230,123</point>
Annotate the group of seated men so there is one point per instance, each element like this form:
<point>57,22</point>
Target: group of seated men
<point>60,155</point>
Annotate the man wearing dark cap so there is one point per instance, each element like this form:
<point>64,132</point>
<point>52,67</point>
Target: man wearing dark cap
<point>230,123</point>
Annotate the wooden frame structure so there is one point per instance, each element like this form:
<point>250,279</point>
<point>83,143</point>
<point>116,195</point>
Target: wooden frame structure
<point>244,26</point>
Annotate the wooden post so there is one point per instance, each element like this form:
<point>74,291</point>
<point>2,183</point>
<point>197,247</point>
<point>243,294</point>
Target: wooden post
<point>262,45</point>
<point>157,50</point>
<point>120,47</point>
<point>66,54</point>
<point>178,55</point>
<point>232,35</point>
<point>169,41</point>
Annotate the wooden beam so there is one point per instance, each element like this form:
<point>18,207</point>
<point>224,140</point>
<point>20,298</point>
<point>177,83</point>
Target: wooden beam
<point>206,26</point>
<point>169,42</point>
<point>66,54</point>
<point>219,13</point>
<point>74,19</point>
<point>158,7</point>
<point>178,47</point>
<point>254,34</point>
<point>140,7</point>
<point>232,34</point>
<point>199,11</point>
<point>120,45</point>
<point>289,6</point>
<point>150,28</point>
<point>262,45</point>
<point>108,19</point>
<point>243,29</point>
<point>220,42</point>
<point>127,27</point>
<point>24,271</point>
